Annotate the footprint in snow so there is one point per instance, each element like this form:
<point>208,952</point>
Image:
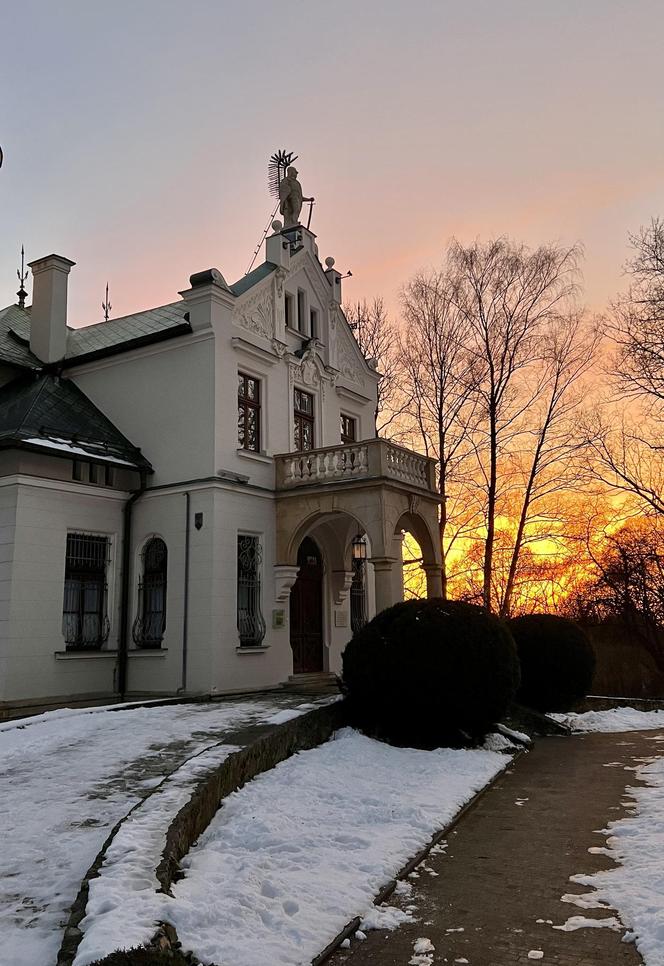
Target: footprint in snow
<point>290,907</point>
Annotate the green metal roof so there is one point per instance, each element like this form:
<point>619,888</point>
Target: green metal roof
<point>52,415</point>
<point>107,338</point>
<point>126,330</point>
<point>248,281</point>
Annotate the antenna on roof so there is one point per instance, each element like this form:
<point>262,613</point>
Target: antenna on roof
<point>276,170</point>
<point>106,306</point>
<point>22,277</point>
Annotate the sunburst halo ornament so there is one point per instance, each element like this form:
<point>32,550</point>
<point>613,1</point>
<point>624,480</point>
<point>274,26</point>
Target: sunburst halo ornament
<point>276,169</point>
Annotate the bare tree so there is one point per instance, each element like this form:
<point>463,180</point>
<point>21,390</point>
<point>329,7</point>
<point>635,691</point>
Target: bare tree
<point>438,373</point>
<point>376,336</point>
<point>508,295</point>
<point>627,444</point>
<point>626,581</point>
<point>494,357</point>
<point>553,430</point>
<point>637,325</point>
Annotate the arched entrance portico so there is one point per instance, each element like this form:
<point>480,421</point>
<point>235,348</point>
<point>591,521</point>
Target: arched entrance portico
<point>306,611</point>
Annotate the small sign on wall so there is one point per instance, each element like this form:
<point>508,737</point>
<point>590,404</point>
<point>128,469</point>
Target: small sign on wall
<point>278,618</point>
<point>341,618</point>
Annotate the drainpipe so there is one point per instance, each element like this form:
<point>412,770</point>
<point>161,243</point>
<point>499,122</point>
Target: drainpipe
<point>124,593</point>
<point>185,604</point>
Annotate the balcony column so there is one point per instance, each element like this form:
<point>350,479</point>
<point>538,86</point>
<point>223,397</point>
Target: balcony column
<point>434,580</point>
<point>384,582</point>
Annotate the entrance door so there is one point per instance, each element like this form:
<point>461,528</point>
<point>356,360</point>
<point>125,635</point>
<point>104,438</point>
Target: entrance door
<point>306,611</point>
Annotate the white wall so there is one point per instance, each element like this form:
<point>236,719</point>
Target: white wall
<point>177,400</point>
<point>8,501</point>
<point>45,512</point>
<point>162,398</point>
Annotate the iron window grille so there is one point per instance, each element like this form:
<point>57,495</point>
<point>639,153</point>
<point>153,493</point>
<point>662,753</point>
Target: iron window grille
<point>348,429</point>
<point>358,597</point>
<point>250,621</point>
<point>85,623</point>
<point>248,413</point>
<point>150,623</point>
<point>303,411</point>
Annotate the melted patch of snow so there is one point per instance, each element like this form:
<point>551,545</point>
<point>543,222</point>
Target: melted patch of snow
<point>615,720</point>
<point>582,922</point>
<point>635,886</point>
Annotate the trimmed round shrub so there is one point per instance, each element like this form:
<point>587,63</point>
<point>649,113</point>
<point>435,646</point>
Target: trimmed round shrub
<point>557,661</point>
<point>426,673</point>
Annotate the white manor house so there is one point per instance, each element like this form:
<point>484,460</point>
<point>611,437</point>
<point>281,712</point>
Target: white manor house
<point>193,499</point>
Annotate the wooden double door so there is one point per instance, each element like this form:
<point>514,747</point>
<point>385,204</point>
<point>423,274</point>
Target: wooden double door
<point>306,611</point>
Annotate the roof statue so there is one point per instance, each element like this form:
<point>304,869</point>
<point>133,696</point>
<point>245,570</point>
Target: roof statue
<point>290,198</point>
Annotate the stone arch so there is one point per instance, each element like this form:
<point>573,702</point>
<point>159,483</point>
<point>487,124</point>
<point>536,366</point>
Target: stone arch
<point>422,531</point>
<point>426,533</point>
<point>338,528</point>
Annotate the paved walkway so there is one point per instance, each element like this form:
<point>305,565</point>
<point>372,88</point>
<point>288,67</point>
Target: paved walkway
<point>507,865</point>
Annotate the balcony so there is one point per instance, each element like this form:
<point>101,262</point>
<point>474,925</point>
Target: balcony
<point>370,460</point>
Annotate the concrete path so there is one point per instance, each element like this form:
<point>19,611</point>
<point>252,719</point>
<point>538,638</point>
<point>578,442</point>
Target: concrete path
<point>507,865</point>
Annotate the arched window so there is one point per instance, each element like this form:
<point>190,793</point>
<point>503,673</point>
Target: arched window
<point>150,622</point>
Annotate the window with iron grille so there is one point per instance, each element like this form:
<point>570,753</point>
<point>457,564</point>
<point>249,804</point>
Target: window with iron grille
<point>84,619</point>
<point>348,429</point>
<point>250,620</point>
<point>150,623</point>
<point>248,413</point>
<point>358,597</point>
<point>303,411</point>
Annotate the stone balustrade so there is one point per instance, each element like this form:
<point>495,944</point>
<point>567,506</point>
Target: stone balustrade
<point>371,459</point>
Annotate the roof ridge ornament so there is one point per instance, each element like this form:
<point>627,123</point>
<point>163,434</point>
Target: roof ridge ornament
<point>22,278</point>
<point>106,306</point>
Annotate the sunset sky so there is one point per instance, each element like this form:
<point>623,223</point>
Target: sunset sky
<point>136,134</point>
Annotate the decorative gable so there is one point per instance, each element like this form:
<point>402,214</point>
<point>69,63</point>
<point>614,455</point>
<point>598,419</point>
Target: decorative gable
<point>349,359</point>
<point>256,311</point>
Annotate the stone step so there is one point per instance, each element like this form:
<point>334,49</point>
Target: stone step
<point>314,683</point>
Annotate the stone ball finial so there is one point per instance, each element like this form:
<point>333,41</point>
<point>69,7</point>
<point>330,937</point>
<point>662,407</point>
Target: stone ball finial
<point>277,225</point>
<point>329,261</point>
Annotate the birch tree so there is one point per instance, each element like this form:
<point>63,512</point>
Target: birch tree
<point>508,295</point>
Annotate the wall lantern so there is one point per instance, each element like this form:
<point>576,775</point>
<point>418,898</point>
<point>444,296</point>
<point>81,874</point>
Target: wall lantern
<point>359,547</point>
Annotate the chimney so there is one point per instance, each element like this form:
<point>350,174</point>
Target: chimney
<point>48,316</point>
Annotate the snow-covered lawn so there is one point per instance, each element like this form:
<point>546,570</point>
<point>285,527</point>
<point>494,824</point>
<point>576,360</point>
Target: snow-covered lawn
<point>67,777</point>
<point>294,855</point>
<point>635,887</point>
<point>617,719</point>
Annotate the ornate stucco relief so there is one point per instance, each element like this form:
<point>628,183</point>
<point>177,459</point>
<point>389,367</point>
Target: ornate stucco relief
<point>257,313</point>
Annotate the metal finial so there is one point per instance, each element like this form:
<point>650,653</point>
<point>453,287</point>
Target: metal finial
<point>22,277</point>
<point>106,306</point>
